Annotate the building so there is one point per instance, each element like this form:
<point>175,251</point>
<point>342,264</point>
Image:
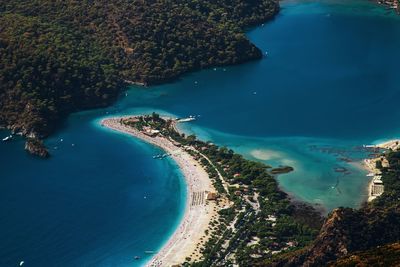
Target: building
<point>150,132</point>
<point>212,196</point>
<point>377,186</point>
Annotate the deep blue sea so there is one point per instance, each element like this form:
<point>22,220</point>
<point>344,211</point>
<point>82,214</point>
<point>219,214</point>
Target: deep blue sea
<point>329,83</point>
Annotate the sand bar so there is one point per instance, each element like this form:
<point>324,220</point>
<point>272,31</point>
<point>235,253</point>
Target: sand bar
<point>198,211</point>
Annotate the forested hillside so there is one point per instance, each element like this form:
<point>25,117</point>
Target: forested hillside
<point>368,236</point>
<point>47,71</point>
<point>61,56</point>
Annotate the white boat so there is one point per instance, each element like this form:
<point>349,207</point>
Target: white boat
<point>187,119</point>
<point>7,138</point>
<point>369,146</point>
<point>21,263</point>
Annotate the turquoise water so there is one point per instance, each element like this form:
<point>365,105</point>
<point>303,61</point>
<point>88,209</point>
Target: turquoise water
<point>328,85</point>
<point>99,201</point>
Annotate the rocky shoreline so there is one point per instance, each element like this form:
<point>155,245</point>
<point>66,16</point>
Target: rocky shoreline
<point>392,4</point>
<point>36,147</point>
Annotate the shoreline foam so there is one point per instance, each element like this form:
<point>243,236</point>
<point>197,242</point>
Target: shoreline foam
<point>190,232</point>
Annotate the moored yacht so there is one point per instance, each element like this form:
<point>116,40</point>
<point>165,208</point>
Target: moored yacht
<point>7,138</point>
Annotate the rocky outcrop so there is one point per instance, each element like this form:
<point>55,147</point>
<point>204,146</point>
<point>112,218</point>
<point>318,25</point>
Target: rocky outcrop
<point>36,147</point>
<point>390,3</point>
<point>332,242</point>
<point>347,231</point>
<point>388,255</point>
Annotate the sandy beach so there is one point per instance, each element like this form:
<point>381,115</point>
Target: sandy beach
<point>370,164</point>
<point>391,144</point>
<point>198,212</point>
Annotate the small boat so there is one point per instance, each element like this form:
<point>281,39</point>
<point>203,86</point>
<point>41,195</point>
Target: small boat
<point>137,258</point>
<point>7,138</point>
<point>191,118</point>
<point>369,146</point>
<point>21,263</point>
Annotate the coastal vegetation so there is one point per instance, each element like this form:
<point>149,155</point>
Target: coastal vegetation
<point>260,221</point>
<point>262,226</point>
<point>47,71</point>
<point>352,237</point>
<point>387,255</point>
<point>57,57</point>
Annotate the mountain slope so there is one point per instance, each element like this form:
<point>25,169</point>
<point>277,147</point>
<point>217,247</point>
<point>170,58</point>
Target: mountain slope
<point>347,233</point>
<point>62,56</point>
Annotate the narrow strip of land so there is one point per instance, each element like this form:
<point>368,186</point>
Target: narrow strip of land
<point>232,204</point>
<point>198,211</point>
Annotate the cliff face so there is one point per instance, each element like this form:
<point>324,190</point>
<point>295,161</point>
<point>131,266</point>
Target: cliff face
<point>347,231</point>
<point>331,243</point>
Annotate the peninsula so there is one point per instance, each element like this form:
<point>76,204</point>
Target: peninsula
<point>234,207</point>
<point>236,213</point>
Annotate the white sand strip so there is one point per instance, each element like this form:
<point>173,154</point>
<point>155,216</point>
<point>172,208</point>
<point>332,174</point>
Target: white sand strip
<point>196,219</point>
